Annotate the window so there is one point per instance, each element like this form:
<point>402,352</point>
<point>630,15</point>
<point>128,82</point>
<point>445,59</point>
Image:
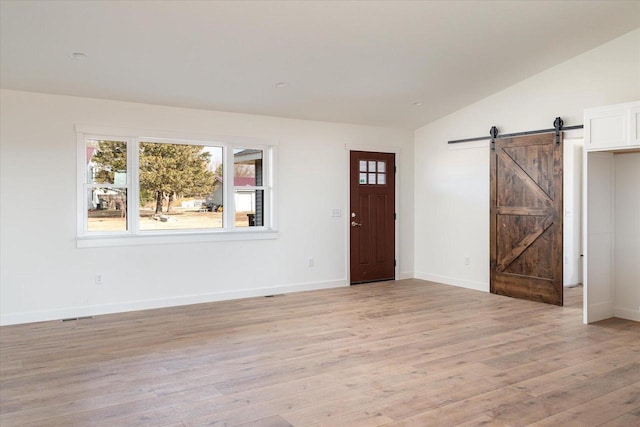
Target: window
<point>248,187</point>
<point>140,187</point>
<point>178,189</point>
<point>373,172</point>
<point>106,185</point>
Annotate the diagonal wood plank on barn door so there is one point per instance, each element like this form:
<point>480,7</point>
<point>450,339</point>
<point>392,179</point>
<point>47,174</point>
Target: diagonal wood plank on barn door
<point>526,218</point>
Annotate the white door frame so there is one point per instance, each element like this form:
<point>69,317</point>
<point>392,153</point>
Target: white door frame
<point>347,217</point>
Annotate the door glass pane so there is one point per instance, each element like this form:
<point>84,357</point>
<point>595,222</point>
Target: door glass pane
<point>363,178</point>
<point>372,166</point>
<point>372,178</point>
<point>106,209</point>
<point>382,179</point>
<point>363,165</point>
<point>382,167</point>
<point>106,162</point>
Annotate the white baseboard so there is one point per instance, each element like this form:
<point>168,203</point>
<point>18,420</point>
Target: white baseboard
<point>626,313</point>
<point>454,281</point>
<point>406,275</point>
<point>599,311</point>
<point>572,285</point>
<point>95,310</point>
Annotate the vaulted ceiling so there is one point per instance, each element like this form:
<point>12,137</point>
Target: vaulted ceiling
<point>387,63</point>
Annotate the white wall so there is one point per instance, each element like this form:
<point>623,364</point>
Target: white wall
<point>627,236</point>
<point>45,276</point>
<point>452,183</point>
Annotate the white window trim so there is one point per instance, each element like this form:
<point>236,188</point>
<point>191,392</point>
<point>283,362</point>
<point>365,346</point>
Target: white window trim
<point>134,236</point>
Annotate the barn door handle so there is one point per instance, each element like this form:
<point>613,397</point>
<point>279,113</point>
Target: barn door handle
<point>355,224</point>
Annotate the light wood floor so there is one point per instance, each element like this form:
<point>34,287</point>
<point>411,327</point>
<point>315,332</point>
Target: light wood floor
<point>408,352</point>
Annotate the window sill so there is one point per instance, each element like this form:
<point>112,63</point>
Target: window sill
<point>173,238</point>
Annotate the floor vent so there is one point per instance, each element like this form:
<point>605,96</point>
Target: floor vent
<point>77,318</point>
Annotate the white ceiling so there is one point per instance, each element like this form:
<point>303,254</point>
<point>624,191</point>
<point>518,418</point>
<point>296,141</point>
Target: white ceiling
<point>362,62</point>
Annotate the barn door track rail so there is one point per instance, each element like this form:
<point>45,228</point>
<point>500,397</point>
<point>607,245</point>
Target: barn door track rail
<point>558,126</point>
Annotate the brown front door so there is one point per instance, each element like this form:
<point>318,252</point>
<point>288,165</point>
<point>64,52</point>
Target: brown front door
<point>372,216</point>
<point>526,218</point>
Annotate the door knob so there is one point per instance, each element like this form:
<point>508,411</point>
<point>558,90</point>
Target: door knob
<point>355,224</point>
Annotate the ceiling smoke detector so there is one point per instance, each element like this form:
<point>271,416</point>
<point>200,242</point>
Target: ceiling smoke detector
<point>78,56</point>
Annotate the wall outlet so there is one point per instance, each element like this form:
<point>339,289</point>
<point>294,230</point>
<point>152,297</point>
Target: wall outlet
<point>467,260</point>
<point>310,262</point>
<point>99,279</point>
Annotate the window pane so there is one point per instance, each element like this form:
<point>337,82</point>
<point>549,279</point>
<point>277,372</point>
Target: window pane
<point>107,209</point>
<point>363,165</point>
<point>363,178</point>
<point>185,217</point>
<point>382,167</point>
<point>247,167</point>
<point>249,208</point>
<point>372,178</point>
<point>382,179</point>
<point>372,166</point>
<point>180,186</point>
<point>106,162</point>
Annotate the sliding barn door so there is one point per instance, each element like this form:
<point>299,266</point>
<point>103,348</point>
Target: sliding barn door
<point>526,218</point>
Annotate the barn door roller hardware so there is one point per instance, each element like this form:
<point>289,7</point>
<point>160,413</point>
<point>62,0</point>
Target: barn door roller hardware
<point>558,126</point>
<point>494,134</point>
